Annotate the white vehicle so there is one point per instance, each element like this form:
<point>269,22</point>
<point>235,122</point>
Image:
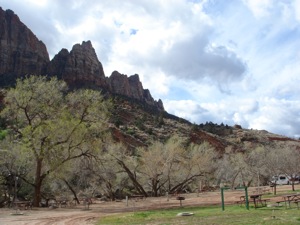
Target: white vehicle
<point>280,179</point>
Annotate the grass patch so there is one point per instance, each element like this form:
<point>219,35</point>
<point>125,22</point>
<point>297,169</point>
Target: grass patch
<point>233,215</point>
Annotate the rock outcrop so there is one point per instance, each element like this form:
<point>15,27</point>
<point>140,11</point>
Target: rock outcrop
<point>57,65</point>
<point>119,84</point>
<point>131,87</point>
<point>21,52</point>
<point>79,68</point>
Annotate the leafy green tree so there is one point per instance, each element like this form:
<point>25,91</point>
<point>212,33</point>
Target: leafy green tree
<point>53,126</point>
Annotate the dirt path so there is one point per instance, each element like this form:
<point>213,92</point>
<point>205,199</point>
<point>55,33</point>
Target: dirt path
<point>80,216</point>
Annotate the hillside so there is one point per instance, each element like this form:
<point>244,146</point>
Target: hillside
<point>137,124</point>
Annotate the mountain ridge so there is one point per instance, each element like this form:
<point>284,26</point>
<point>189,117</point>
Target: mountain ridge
<point>22,53</point>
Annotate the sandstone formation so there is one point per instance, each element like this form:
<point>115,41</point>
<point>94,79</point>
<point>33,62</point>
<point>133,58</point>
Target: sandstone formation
<point>57,65</point>
<point>132,87</point>
<point>79,68</point>
<point>21,53</point>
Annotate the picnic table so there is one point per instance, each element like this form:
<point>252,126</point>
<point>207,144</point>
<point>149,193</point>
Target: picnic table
<point>291,198</point>
<point>256,199</point>
<point>180,198</point>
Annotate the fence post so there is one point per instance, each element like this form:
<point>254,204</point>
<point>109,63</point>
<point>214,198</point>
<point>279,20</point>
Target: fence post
<point>222,197</point>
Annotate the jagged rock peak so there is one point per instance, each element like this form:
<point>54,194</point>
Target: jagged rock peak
<point>132,87</point>
<point>58,63</point>
<point>85,45</point>
<point>121,84</point>
<point>21,52</point>
<point>79,67</point>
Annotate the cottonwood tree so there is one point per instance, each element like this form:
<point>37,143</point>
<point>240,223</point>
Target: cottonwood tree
<point>152,162</point>
<point>147,168</point>
<point>290,164</point>
<point>110,176</point>
<point>197,161</point>
<point>53,126</point>
<point>129,164</point>
<point>233,168</point>
<point>160,167</point>
<point>273,162</point>
<point>14,165</point>
<point>74,177</point>
<point>173,165</point>
<point>100,174</point>
<point>255,160</point>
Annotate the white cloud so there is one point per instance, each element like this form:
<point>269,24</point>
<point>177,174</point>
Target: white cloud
<point>279,116</point>
<point>186,109</point>
<point>39,3</point>
<point>297,9</point>
<point>260,8</point>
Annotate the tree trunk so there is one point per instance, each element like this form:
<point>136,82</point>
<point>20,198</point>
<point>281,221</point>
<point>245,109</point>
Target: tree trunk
<point>180,185</point>
<point>131,176</point>
<point>72,190</point>
<point>275,188</point>
<point>38,184</point>
<point>154,187</point>
<point>110,190</point>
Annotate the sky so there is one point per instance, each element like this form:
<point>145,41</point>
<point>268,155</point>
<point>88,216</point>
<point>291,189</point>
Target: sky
<point>230,62</point>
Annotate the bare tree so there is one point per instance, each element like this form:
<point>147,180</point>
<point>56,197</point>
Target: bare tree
<point>128,164</point>
<point>234,169</point>
<point>273,162</point>
<point>255,160</point>
<point>173,166</point>
<point>290,164</point>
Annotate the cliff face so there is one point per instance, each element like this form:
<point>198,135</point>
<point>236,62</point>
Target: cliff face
<point>131,87</point>
<point>58,64</point>
<point>79,68</point>
<point>21,53</point>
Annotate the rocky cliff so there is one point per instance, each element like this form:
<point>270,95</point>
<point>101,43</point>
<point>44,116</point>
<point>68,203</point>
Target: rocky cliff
<point>79,68</point>
<point>22,53</point>
<point>132,87</point>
